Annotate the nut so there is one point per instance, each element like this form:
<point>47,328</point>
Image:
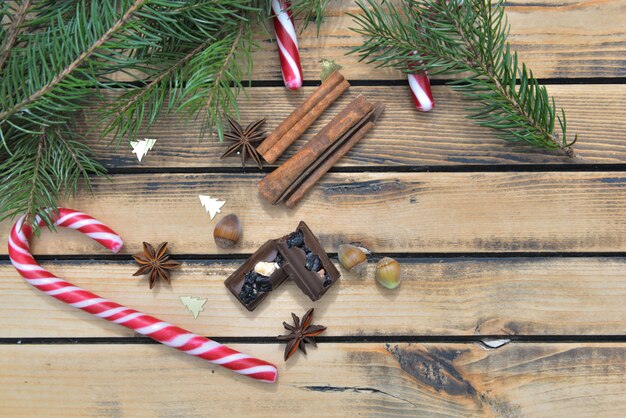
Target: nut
<point>352,258</point>
<point>388,272</point>
<point>227,232</point>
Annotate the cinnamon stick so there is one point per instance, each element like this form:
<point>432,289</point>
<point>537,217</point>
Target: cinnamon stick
<point>308,180</point>
<point>292,127</point>
<point>274,185</point>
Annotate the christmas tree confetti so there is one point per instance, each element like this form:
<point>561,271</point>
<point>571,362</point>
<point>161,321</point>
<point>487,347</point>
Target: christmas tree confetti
<point>212,205</point>
<point>194,305</point>
<point>142,147</point>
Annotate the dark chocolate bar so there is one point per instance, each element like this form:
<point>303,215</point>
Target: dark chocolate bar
<point>308,264</point>
<point>250,294</point>
<point>299,256</point>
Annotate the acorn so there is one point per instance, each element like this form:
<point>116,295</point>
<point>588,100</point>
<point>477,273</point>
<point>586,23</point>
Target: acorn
<point>227,232</point>
<point>388,272</point>
<point>352,258</point>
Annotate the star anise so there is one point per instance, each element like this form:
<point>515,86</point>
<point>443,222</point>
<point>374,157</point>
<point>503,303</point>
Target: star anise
<point>157,263</point>
<point>244,140</point>
<point>300,333</point>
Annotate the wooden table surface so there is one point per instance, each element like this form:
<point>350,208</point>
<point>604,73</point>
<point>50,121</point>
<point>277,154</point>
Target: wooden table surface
<point>514,260</point>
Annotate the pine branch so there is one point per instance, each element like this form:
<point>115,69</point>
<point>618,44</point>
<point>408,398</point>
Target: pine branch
<point>40,169</point>
<point>469,39</point>
<point>127,119</point>
<point>191,56</point>
<point>31,207</point>
<point>78,61</point>
<point>13,31</point>
<point>214,102</point>
<point>310,10</point>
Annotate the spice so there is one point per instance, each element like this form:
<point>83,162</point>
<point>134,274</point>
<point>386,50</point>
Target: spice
<point>156,263</point>
<point>290,182</point>
<point>301,333</point>
<point>244,140</point>
<point>292,127</point>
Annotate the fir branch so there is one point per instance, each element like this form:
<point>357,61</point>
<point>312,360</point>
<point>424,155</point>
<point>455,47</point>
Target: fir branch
<point>467,38</point>
<point>30,206</point>
<point>13,31</point>
<point>310,10</point>
<point>78,61</point>
<point>41,168</point>
<point>126,115</point>
<point>194,53</point>
<point>220,98</point>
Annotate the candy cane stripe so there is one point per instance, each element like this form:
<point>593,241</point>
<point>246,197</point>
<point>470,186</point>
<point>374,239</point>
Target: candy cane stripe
<point>256,369</point>
<point>89,302</point>
<point>287,42</point>
<point>111,312</point>
<point>204,348</point>
<point>127,318</point>
<point>62,290</point>
<point>420,89</point>
<point>40,282</point>
<point>163,332</point>
<point>232,357</point>
<point>419,83</point>
<point>180,340</point>
<point>153,328</point>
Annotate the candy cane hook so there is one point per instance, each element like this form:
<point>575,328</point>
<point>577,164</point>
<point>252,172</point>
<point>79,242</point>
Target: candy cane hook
<point>163,332</point>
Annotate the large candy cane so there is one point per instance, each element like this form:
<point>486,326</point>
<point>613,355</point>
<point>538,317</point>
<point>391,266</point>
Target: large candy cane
<point>287,44</point>
<point>163,332</point>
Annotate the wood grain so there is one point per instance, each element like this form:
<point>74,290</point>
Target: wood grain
<point>443,380</point>
<point>470,297</point>
<point>569,38</point>
<point>397,212</point>
<point>402,136</point>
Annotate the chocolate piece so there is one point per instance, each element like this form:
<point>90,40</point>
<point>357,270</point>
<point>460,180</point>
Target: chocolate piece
<point>307,279</point>
<point>250,287</point>
<point>300,257</point>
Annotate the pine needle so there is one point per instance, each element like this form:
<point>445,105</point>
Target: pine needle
<point>467,38</point>
<point>189,57</point>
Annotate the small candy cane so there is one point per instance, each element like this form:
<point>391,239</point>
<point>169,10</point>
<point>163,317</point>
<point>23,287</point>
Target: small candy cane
<point>420,90</point>
<point>287,44</point>
<point>163,332</point>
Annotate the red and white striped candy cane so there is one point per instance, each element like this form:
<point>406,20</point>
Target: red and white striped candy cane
<point>420,84</point>
<point>163,332</point>
<point>420,90</point>
<point>287,44</point>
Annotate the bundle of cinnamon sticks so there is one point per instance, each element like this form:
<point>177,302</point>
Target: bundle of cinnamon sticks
<point>290,182</point>
<point>303,117</point>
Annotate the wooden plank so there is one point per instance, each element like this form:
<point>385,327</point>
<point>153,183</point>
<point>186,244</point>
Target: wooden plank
<point>402,137</point>
<point>570,39</point>
<point>397,212</point>
<point>565,39</point>
<point>443,380</point>
<point>471,297</point>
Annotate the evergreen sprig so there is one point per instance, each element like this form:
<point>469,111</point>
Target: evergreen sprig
<point>190,57</point>
<point>466,38</point>
<point>310,11</point>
